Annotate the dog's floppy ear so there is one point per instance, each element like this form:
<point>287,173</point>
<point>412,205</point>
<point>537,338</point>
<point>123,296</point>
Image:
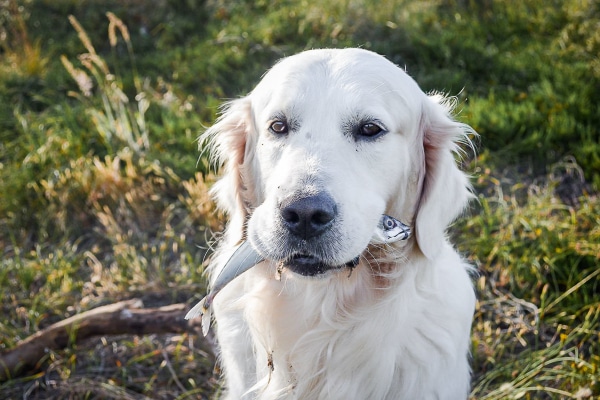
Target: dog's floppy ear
<point>229,143</point>
<point>445,190</point>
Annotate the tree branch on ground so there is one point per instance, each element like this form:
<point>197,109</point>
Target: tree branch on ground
<point>125,317</point>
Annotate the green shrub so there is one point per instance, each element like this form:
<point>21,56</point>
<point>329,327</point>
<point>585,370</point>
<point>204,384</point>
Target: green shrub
<point>104,196</point>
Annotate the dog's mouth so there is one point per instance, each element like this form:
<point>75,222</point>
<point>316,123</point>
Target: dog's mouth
<point>246,256</point>
<point>308,265</point>
<point>388,230</point>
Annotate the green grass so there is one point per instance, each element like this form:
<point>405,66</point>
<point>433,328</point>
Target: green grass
<point>104,197</point>
<point>536,325</point>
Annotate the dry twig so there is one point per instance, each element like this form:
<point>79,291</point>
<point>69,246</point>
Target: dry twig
<point>125,317</point>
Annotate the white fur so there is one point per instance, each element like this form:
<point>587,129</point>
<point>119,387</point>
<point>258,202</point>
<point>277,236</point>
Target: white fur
<point>397,326</point>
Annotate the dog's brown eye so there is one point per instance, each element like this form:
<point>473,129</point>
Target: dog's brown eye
<point>370,129</point>
<point>279,127</point>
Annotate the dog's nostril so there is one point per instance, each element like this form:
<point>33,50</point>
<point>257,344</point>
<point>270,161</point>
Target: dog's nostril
<point>309,216</point>
<point>322,217</point>
<point>290,216</point>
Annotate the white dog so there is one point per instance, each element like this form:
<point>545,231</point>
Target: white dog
<point>328,142</point>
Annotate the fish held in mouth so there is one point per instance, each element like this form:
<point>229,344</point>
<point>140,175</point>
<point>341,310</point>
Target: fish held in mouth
<point>388,230</point>
<point>244,258</point>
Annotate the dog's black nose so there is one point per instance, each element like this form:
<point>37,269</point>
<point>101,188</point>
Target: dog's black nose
<point>309,216</point>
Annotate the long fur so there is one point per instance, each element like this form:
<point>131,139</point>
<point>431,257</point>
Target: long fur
<point>396,326</point>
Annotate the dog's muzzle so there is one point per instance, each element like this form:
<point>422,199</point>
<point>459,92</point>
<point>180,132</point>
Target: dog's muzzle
<point>388,230</point>
<point>307,221</point>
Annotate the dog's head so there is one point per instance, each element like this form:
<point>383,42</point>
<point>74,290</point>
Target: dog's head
<point>326,143</point>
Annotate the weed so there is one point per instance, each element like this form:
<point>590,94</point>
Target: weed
<point>538,311</point>
<point>102,199</point>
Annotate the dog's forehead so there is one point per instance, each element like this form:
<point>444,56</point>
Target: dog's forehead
<point>321,74</point>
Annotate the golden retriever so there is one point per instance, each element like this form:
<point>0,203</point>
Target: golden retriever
<point>327,143</point>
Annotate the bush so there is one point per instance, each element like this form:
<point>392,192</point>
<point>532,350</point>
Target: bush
<point>105,196</point>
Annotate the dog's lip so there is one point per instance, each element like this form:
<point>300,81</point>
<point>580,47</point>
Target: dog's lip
<point>304,258</point>
<point>310,265</point>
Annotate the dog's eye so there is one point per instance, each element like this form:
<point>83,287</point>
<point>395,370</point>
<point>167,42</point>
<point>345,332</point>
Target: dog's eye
<point>370,129</point>
<point>279,127</point>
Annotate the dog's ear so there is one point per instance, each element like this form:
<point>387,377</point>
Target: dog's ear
<point>445,190</point>
<point>229,143</point>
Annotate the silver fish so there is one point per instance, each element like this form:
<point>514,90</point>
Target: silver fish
<point>244,258</point>
<point>388,230</point>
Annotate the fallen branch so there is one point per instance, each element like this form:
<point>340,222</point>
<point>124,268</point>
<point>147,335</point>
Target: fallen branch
<point>125,317</point>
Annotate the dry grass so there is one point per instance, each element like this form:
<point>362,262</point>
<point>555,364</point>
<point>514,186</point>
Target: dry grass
<point>102,207</point>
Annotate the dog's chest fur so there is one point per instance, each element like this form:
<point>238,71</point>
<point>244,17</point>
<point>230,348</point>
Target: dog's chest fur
<point>343,338</point>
